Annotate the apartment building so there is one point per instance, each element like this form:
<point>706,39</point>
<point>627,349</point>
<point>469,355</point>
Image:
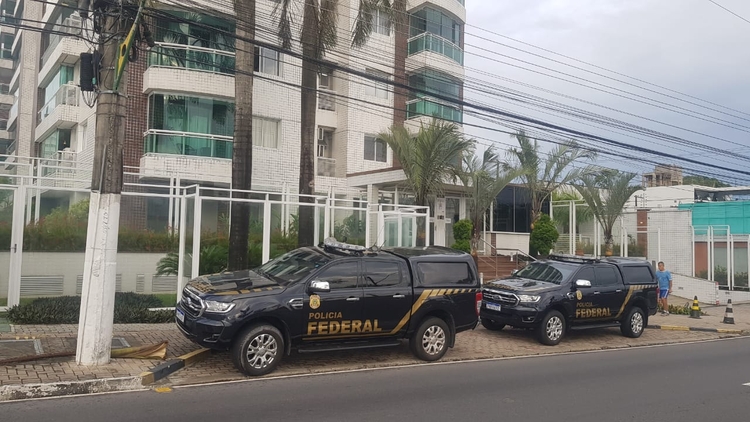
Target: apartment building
<point>180,100</point>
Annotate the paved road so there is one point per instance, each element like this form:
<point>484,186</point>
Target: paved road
<point>674,383</point>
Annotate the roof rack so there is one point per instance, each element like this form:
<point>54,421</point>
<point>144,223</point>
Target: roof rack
<point>574,258</point>
<point>332,245</point>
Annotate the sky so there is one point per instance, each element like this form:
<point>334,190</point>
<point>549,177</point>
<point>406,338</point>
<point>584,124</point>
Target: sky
<point>689,46</point>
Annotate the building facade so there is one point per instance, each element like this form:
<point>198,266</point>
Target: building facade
<point>180,98</point>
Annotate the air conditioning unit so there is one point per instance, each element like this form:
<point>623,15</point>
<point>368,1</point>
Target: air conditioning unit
<point>321,134</point>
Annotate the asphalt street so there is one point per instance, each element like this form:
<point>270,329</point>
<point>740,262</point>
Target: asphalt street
<point>701,381</point>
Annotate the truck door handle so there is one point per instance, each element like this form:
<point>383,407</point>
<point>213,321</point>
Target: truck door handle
<point>352,299</point>
<point>618,291</point>
<point>296,303</point>
<point>597,293</point>
<point>399,296</point>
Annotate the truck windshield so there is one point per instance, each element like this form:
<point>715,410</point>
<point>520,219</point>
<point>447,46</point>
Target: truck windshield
<point>292,266</point>
<point>551,273</point>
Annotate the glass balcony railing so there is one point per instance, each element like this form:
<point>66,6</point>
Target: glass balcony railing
<point>6,53</point>
<point>326,100</point>
<point>433,108</point>
<point>326,167</point>
<point>66,95</point>
<point>430,42</point>
<point>192,57</point>
<point>186,143</point>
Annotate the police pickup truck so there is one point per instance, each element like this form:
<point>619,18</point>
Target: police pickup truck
<point>333,297</point>
<point>570,292</point>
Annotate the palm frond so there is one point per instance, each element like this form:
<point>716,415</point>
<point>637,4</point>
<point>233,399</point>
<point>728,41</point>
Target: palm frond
<point>286,21</point>
<point>327,26</point>
<point>618,190</point>
<point>364,22</point>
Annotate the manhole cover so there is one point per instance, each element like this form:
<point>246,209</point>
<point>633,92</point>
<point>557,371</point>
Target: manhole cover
<point>17,348</point>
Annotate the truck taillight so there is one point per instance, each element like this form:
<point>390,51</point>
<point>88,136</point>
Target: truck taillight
<point>478,301</point>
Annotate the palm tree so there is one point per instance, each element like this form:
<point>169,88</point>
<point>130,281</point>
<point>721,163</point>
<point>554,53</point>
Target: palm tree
<point>430,158</point>
<point>484,178</point>
<point>544,176</point>
<point>618,190</point>
<point>319,35</point>
<point>242,154</point>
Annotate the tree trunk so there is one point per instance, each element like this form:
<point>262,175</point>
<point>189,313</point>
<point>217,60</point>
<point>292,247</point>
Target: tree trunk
<point>242,153</point>
<point>308,107</point>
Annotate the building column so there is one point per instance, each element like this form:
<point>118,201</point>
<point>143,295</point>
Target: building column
<point>439,220</point>
<point>28,83</point>
<point>373,198</point>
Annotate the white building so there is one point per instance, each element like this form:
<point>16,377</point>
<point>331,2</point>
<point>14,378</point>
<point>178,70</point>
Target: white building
<point>180,122</point>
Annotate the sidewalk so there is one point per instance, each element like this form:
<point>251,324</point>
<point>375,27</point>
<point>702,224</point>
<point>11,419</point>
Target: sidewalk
<point>29,340</point>
<point>712,320</point>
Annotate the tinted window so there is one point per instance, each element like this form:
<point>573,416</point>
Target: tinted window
<point>341,276</point>
<point>541,271</point>
<point>605,276</point>
<point>382,274</point>
<point>587,274</point>
<point>444,273</point>
<point>637,274</point>
<point>293,266</point>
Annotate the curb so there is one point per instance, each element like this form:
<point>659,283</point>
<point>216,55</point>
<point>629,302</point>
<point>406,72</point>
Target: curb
<point>67,388</point>
<point>173,365</point>
<point>705,330</point>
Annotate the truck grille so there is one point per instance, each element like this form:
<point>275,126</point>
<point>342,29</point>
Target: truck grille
<point>192,302</point>
<point>500,297</point>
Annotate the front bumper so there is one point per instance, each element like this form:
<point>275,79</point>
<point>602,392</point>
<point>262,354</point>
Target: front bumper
<point>516,316</point>
<point>205,332</point>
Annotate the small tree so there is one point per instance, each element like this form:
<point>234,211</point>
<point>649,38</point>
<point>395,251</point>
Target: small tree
<point>462,233</point>
<point>543,237</point>
<point>617,190</point>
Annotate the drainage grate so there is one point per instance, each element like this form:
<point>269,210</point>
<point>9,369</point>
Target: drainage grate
<point>16,348</point>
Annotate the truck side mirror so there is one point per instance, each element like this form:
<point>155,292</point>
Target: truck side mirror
<point>514,272</point>
<point>319,287</point>
<point>583,283</point>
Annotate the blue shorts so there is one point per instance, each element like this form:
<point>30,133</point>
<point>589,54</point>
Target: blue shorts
<point>663,293</point>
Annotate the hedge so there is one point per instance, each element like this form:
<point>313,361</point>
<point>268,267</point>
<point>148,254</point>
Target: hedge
<point>130,308</point>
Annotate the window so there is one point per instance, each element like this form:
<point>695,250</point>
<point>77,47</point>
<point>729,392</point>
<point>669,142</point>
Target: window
<point>57,141</point>
<point>374,88</point>
<point>550,273</point>
<point>605,276</point>
<point>587,274</point>
<point>435,22</point>
<point>325,142</point>
<point>265,132</point>
<point>444,273</point>
<point>435,83</point>
<point>375,149</point>
<point>382,274</point>
<point>266,61</point>
<point>640,274</point>
<point>381,23</point>
<point>341,276</point>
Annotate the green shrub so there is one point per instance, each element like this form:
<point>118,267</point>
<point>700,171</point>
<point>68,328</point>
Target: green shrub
<point>462,245</point>
<point>543,236</point>
<point>462,231</point>
<point>129,308</point>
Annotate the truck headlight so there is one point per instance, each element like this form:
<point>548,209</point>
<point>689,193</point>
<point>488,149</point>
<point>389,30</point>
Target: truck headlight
<point>528,298</point>
<point>218,307</point>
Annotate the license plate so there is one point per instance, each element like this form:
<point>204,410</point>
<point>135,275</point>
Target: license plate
<point>180,315</point>
<point>493,306</point>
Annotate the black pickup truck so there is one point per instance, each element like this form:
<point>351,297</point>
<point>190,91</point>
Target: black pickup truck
<point>333,297</point>
<point>569,292</point>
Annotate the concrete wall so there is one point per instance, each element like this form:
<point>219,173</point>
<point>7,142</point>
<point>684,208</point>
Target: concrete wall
<point>59,273</point>
<point>706,291</point>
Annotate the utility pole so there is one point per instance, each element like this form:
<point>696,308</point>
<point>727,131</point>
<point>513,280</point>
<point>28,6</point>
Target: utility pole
<point>118,29</point>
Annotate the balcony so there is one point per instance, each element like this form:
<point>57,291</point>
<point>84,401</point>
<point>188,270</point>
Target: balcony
<point>433,108</point>
<point>192,57</point>
<point>326,167</point>
<point>12,113</point>
<point>190,144</point>
<point>6,98</point>
<point>431,42</point>
<point>4,133</point>
<point>454,7</point>
<point>60,112</point>
<point>326,100</point>
<point>62,49</point>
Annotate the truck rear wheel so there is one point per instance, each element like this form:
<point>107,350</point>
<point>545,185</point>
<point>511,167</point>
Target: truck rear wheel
<point>552,328</point>
<point>258,350</point>
<point>430,341</point>
<point>633,324</point>
<point>492,325</point>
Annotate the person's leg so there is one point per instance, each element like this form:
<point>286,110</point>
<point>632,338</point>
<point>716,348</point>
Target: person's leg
<point>666,303</point>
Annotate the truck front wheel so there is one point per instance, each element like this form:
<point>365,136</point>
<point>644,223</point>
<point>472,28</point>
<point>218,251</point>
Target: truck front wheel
<point>633,324</point>
<point>258,350</point>
<point>552,328</point>
<point>430,341</point>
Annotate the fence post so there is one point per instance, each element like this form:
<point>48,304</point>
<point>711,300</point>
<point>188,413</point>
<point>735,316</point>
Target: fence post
<point>368,230</point>
<point>658,245</point>
<point>183,238</point>
<point>327,217</point>
<point>710,251</point>
<point>16,246</point>
<point>427,226</point>
<point>381,226</point>
<point>400,225</point>
<point>198,208</point>
<point>730,261</point>
<point>692,229</point>
<point>266,229</point>
<point>316,213</point>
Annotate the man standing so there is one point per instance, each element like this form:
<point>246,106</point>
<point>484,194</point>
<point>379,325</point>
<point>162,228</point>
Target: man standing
<point>664,278</point>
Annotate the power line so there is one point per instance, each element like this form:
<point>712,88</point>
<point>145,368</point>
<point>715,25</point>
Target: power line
<point>735,14</point>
